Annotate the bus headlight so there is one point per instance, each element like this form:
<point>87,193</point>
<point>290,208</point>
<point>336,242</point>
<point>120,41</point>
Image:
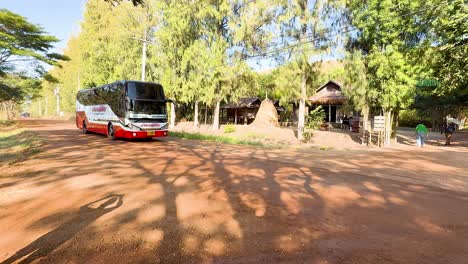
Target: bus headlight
<point>132,127</point>
<point>163,127</point>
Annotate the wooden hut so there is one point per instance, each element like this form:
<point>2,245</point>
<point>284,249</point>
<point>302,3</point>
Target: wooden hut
<point>331,98</point>
<point>244,111</point>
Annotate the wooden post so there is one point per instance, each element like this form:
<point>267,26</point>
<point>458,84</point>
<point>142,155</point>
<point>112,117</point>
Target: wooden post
<point>216,116</point>
<point>378,139</point>
<point>235,117</point>
<point>173,116</point>
<point>329,113</point>
<point>195,121</point>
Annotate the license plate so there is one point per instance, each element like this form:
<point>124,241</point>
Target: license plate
<point>150,133</point>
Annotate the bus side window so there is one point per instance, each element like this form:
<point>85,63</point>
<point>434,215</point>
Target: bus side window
<point>86,98</point>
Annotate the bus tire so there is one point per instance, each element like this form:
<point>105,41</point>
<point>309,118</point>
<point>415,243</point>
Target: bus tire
<point>85,129</point>
<point>111,132</point>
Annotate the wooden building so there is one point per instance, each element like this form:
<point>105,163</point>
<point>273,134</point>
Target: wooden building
<point>244,111</point>
<point>330,96</point>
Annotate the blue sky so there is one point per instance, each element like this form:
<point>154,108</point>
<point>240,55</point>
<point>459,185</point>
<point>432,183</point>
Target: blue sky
<point>60,18</point>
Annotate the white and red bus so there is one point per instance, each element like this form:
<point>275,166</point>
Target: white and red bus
<point>123,109</point>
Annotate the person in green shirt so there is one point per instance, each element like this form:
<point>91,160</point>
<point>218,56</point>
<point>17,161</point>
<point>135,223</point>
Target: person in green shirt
<point>421,134</point>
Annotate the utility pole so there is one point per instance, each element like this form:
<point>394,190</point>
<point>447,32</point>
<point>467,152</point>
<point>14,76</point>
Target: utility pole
<point>46,111</point>
<point>57,96</point>
<point>143,55</point>
<point>79,83</point>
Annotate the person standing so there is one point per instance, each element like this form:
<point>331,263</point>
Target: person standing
<point>345,123</point>
<point>448,130</point>
<point>421,134</point>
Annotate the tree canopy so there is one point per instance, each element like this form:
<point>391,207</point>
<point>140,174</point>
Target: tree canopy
<point>23,44</point>
<point>22,41</point>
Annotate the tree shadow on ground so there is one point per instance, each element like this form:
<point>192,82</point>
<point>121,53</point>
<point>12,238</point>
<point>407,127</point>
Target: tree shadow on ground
<point>223,204</point>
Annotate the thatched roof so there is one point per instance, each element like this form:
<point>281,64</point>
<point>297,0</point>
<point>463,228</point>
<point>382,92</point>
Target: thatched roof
<point>329,93</point>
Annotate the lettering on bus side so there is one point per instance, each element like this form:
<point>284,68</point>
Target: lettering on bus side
<point>99,108</point>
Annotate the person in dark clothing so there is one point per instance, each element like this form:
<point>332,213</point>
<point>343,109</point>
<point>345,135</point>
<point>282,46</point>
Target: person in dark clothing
<point>448,130</point>
<point>345,122</point>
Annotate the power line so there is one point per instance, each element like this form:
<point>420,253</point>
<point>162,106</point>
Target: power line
<point>300,43</point>
<point>203,7</point>
<point>403,15</point>
<point>180,11</point>
<point>270,53</point>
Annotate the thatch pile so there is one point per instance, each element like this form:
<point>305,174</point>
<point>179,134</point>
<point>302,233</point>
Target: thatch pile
<point>267,115</point>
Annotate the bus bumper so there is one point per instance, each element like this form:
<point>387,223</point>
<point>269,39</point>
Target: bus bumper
<point>121,133</point>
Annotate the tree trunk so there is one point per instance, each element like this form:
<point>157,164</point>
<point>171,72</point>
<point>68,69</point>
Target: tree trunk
<point>301,114</point>
<point>10,107</point>
<point>235,117</point>
<point>206,114</point>
<point>195,119</point>
<point>173,116</point>
<point>388,127</point>
<point>396,115</point>
<point>365,112</point>
<point>216,116</point>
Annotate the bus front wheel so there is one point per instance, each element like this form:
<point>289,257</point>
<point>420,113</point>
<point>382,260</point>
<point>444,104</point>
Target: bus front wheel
<point>85,129</point>
<point>111,132</point>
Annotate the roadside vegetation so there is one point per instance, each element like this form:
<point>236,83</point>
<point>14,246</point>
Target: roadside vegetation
<point>16,143</point>
<point>219,139</point>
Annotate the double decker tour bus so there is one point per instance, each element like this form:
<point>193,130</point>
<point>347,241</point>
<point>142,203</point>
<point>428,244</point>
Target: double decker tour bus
<point>123,109</point>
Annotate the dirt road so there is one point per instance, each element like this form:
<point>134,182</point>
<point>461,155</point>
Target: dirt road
<point>87,199</point>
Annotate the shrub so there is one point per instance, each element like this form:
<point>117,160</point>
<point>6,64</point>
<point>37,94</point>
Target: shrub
<point>315,118</point>
<point>411,118</point>
<point>307,136</point>
<point>229,128</point>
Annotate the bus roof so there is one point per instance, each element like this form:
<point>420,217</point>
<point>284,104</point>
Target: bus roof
<point>123,82</point>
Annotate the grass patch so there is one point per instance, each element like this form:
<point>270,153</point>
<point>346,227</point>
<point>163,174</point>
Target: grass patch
<point>325,148</point>
<point>7,124</point>
<point>4,123</point>
<point>214,138</point>
<point>255,136</point>
<point>17,144</point>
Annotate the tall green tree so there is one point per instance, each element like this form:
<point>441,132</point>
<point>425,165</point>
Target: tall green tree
<point>447,56</point>
<point>108,48</point>
<point>357,86</point>
<point>387,35</point>
<point>302,23</point>
<point>107,41</point>
<point>235,29</point>
<point>22,41</point>
<point>180,51</point>
<point>25,44</point>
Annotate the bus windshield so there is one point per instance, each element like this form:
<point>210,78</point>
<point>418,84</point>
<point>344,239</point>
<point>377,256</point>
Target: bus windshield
<point>147,91</point>
<point>147,107</point>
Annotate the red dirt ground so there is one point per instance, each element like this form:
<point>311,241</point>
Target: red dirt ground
<point>87,199</point>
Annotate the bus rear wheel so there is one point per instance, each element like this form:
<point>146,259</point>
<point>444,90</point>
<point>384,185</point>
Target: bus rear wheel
<point>111,132</point>
<point>85,129</point>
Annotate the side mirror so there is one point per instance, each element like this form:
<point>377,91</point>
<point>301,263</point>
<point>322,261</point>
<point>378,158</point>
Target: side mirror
<point>129,104</point>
